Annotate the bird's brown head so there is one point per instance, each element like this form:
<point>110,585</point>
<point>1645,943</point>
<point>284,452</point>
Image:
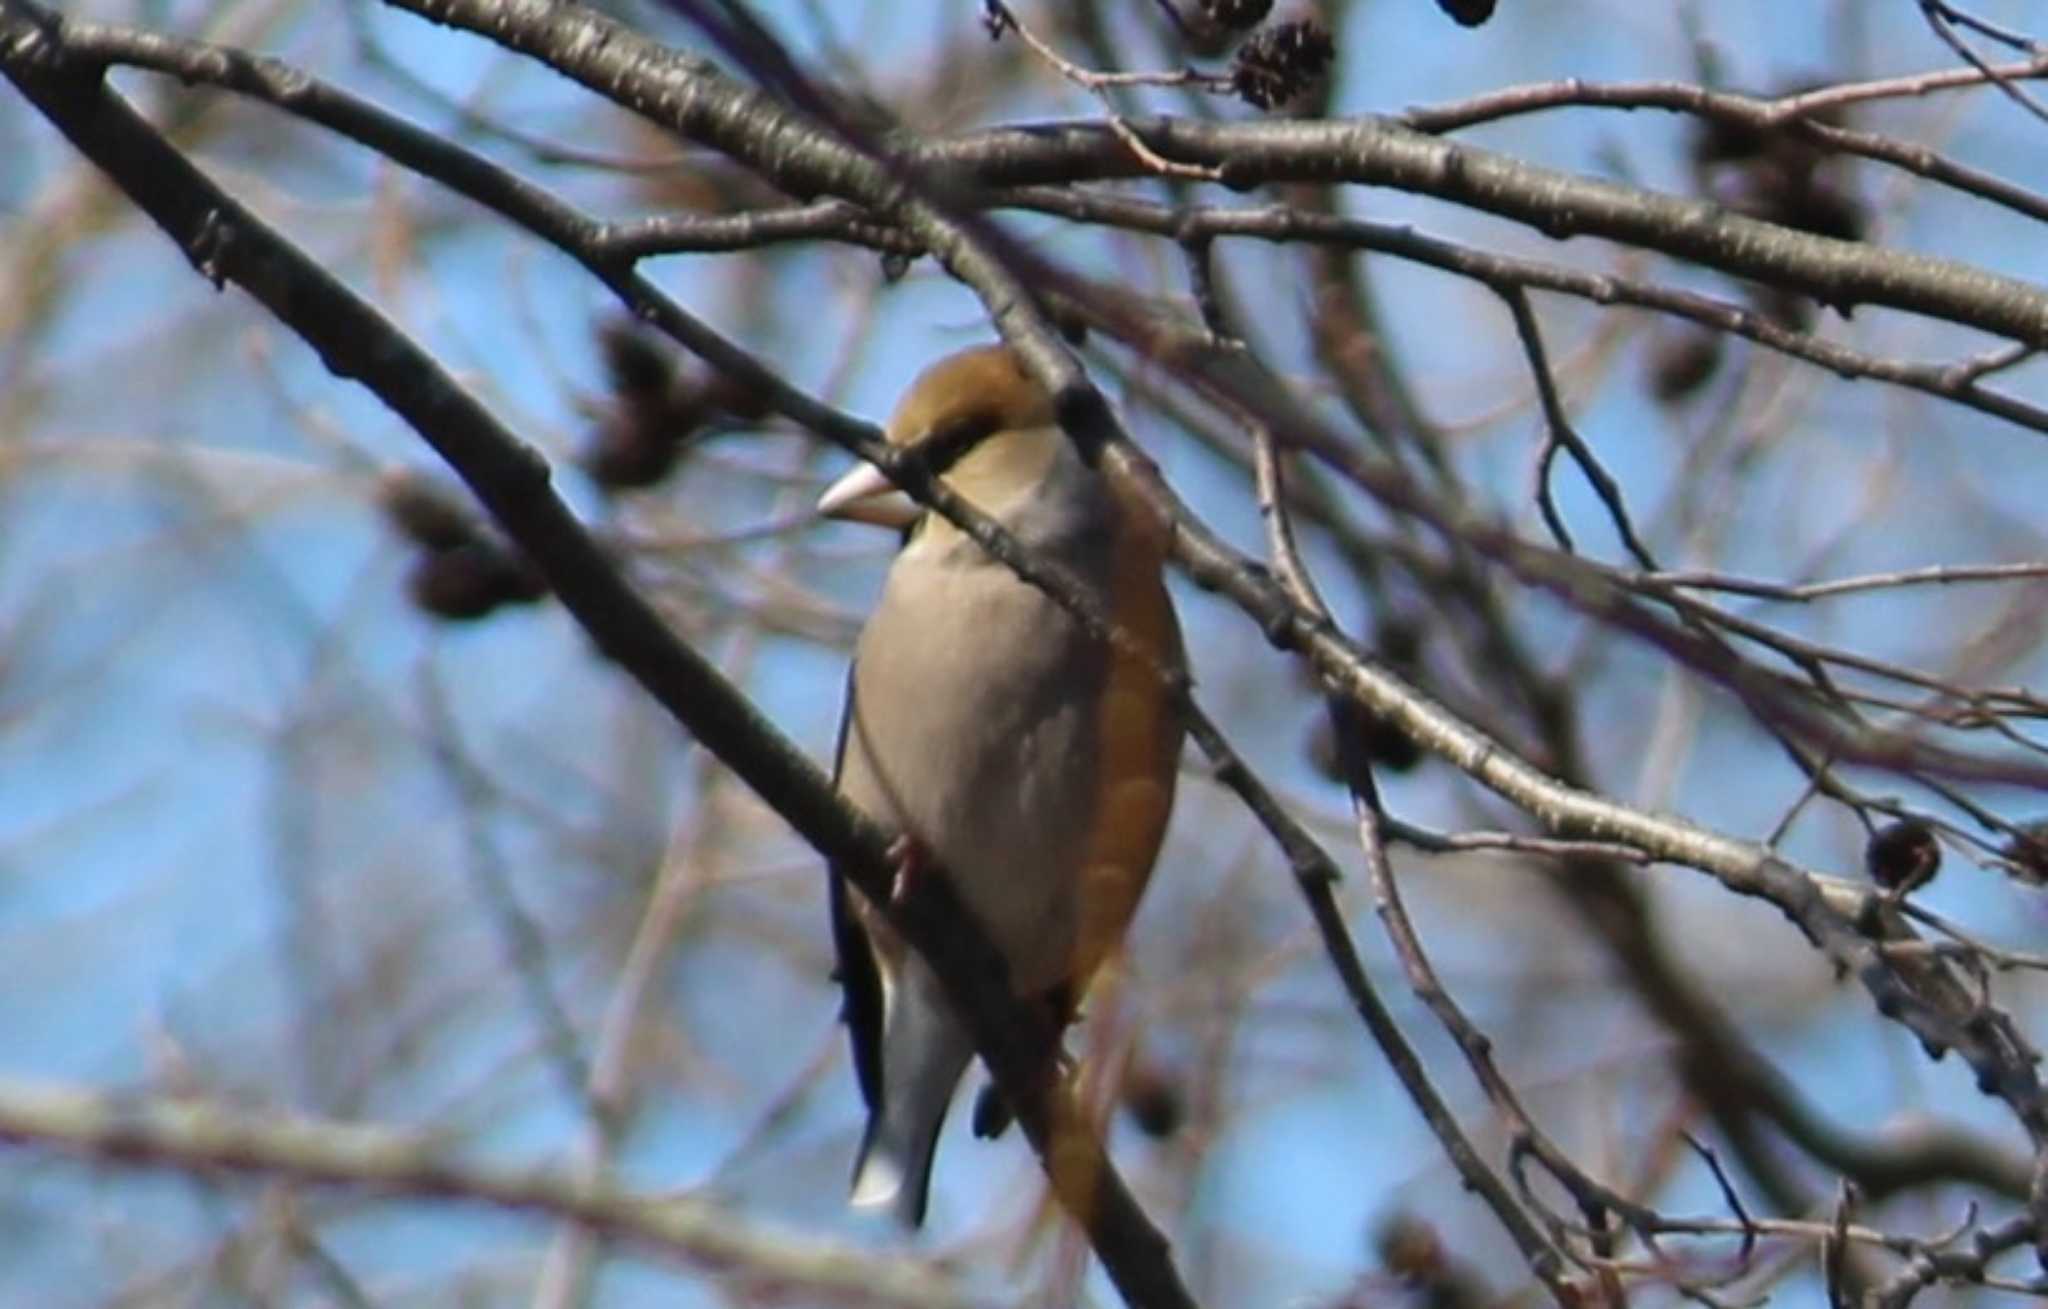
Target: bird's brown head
<point>980,420</point>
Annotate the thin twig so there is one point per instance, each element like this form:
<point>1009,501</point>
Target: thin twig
<point>1001,18</point>
<point>1562,433</point>
<point>1944,18</point>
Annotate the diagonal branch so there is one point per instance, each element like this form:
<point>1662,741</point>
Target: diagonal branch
<point>692,97</point>
<point>227,243</point>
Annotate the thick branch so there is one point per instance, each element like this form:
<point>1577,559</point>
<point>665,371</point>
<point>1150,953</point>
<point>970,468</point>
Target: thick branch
<point>228,243</point>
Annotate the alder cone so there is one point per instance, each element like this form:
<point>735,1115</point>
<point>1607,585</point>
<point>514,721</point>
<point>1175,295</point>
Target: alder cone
<point>1467,13</point>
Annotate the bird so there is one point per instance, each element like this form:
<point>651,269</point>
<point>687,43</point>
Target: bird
<point>1030,761</point>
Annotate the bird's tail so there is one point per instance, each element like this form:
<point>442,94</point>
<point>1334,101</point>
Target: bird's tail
<point>924,1051</point>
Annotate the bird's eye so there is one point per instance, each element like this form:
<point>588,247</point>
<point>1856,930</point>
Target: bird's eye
<point>948,442</point>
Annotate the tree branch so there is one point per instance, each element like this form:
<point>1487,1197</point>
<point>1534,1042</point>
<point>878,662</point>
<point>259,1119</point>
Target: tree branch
<point>227,243</point>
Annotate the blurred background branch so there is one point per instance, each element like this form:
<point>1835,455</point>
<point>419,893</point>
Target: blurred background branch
<point>319,808</point>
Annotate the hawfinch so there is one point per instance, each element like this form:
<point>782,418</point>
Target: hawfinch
<point>1030,761</point>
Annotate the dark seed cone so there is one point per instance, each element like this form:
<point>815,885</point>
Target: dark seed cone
<point>425,511</point>
<point>1682,363</point>
<point>1384,746</point>
<point>634,361</point>
<point>1467,13</point>
<point>1282,62</point>
<point>1154,1101</point>
<point>1413,1251</point>
<point>1210,27</point>
<point>1234,15</point>
<point>2028,852</point>
<point>472,581</point>
<point>1903,857</point>
<point>628,456</point>
<point>653,412</point>
<point>725,394</point>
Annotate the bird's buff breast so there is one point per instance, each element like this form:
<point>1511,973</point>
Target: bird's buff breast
<point>1016,754</point>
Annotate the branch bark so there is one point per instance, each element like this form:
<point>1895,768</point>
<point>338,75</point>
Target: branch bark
<point>228,243</point>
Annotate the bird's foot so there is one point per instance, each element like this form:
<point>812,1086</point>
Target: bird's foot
<point>992,1113</point>
<point>912,863</point>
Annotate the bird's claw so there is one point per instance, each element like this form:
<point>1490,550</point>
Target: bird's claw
<point>911,862</point>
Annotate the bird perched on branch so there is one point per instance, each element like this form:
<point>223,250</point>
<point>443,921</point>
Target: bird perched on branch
<point>1029,762</point>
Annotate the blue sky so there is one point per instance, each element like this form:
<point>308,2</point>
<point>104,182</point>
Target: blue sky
<point>191,578</point>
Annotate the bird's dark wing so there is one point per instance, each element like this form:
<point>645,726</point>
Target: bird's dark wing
<point>860,982</point>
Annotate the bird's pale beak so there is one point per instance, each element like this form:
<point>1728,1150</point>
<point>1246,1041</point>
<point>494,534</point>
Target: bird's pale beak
<point>866,496</point>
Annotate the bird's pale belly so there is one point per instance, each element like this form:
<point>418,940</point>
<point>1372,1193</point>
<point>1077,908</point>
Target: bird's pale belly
<point>997,778</point>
